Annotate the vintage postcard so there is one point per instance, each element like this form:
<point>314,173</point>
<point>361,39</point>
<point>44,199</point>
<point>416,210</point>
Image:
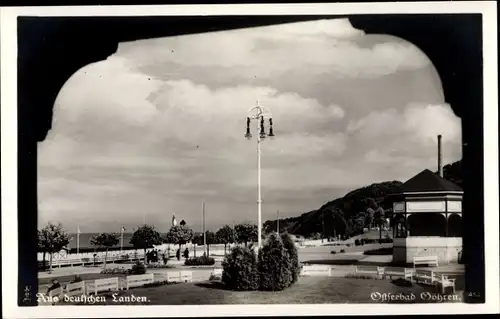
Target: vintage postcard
<point>249,160</point>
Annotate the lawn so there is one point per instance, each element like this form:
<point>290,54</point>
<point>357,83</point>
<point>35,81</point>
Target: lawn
<point>308,290</point>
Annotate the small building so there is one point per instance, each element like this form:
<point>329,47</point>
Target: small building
<point>427,217</point>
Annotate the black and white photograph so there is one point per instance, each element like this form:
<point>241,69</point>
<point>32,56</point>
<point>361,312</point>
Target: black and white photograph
<point>294,158</point>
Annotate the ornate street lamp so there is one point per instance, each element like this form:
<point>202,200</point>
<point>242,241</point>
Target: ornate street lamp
<point>260,114</point>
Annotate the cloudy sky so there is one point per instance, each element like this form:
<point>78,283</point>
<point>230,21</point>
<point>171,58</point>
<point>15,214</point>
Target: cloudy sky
<point>159,126</point>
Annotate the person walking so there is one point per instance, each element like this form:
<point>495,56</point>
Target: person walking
<point>178,254</point>
<point>186,253</point>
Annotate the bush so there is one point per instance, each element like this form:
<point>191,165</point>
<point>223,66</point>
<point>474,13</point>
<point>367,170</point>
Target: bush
<point>160,266</point>
<point>240,269</point>
<point>333,252</point>
<point>357,242</point>
<point>138,269</point>
<point>200,261</point>
<point>342,250</point>
<point>274,265</point>
<point>115,271</point>
<point>294,256</point>
<point>158,283</point>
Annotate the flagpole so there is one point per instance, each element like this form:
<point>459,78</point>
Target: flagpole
<point>278,221</point>
<point>121,239</point>
<point>78,239</point>
<point>204,234</point>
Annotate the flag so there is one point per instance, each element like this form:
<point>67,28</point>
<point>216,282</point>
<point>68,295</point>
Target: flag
<point>123,228</point>
<point>78,230</point>
<point>174,222</point>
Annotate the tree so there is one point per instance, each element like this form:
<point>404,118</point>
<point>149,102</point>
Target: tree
<point>225,235</point>
<point>179,235</point>
<point>380,220</point>
<point>293,255</point>
<point>210,239</point>
<point>246,233</point>
<point>41,248</point>
<point>274,265</point>
<point>145,237</point>
<point>369,217</point>
<point>105,240</point>
<point>51,239</point>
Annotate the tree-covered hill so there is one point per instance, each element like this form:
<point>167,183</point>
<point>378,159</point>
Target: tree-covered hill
<point>358,209</point>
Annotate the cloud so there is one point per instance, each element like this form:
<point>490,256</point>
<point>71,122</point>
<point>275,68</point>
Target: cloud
<point>264,52</point>
<point>407,138</point>
<point>154,131</point>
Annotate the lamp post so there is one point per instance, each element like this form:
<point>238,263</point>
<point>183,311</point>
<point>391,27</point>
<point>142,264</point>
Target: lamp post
<point>259,113</point>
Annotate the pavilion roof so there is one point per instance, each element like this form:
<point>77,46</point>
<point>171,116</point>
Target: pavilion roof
<point>427,181</point>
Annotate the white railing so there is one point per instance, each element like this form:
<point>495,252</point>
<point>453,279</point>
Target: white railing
<point>97,260</point>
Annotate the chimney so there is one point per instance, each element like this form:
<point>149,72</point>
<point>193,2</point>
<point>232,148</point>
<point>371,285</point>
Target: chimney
<point>440,157</point>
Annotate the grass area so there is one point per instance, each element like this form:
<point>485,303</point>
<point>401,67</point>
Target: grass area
<point>308,290</point>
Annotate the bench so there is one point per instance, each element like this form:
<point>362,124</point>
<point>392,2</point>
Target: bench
<point>445,282</point>
<point>369,270</point>
<point>56,292</point>
<point>316,270</point>
<point>425,276</point>
<point>76,289</point>
<point>425,260</point>
<point>406,273</point>
<point>138,281</point>
<point>217,273</point>
<point>108,284</point>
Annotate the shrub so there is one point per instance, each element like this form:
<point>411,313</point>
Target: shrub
<point>274,265</point>
<point>158,283</point>
<point>342,250</point>
<point>294,256</point>
<point>200,261</point>
<point>357,242</point>
<point>352,276</point>
<point>333,252</point>
<point>115,271</point>
<point>240,269</point>
<point>138,269</point>
<point>386,240</point>
<point>160,266</point>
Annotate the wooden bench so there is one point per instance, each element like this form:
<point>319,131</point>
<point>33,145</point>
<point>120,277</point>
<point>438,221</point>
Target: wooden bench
<point>217,273</point>
<point>108,284</point>
<point>316,270</point>
<point>368,270</point>
<point>425,276</point>
<point>76,289</point>
<point>425,260</point>
<point>138,281</point>
<point>445,282</point>
<point>56,292</point>
<point>406,273</point>
<point>174,276</point>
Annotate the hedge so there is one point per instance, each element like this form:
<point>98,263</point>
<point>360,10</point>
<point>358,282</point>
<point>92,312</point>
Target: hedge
<point>200,261</point>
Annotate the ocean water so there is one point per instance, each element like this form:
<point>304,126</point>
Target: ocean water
<point>85,240</point>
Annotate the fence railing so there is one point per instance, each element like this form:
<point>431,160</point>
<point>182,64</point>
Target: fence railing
<point>97,260</point>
